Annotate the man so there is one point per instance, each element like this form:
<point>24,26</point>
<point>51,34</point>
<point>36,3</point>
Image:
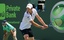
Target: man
<point>28,20</point>
<point>8,29</point>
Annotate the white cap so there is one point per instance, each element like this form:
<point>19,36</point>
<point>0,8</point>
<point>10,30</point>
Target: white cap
<point>29,5</point>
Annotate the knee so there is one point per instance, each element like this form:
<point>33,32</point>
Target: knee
<point>5,35</point>
<point>26,37</point>
<point>14,35</point>
<point>31,38</point>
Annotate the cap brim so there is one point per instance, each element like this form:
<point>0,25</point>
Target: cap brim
<point>29,7</point>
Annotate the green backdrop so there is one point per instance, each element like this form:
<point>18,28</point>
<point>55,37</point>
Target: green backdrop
<point>47,34</point>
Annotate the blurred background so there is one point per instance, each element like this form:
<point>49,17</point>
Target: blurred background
<point>13,11</point>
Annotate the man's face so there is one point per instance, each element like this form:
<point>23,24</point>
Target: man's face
<point>29,10</point>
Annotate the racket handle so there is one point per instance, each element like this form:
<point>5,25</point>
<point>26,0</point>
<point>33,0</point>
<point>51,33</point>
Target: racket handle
<point>50,25</point>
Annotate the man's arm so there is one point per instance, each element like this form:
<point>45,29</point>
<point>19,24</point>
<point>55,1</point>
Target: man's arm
<point>41,20</point>
<point>12,32</point>
<point>37,25</point>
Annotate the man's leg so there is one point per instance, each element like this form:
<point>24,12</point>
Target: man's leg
<point>14,35</point>
<point>5,37</point>
<point>27,34</point>
<point>26,37</point>
<point>31,38</point>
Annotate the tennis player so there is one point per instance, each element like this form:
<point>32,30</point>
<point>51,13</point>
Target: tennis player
<point>8,29</point>
<point>28,20</point>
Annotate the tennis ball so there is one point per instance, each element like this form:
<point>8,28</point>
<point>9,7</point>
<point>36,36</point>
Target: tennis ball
<point>58,22</point>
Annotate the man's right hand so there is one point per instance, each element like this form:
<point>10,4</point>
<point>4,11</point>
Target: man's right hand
<point>46,26</point>
<point>42,27</point>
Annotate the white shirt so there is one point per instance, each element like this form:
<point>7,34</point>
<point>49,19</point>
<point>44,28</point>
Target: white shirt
<point>25,24</point>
